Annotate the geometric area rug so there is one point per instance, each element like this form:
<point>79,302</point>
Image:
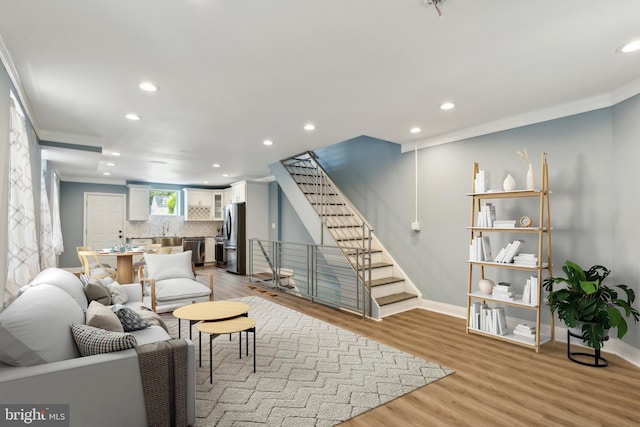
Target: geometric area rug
<point>308,372</point>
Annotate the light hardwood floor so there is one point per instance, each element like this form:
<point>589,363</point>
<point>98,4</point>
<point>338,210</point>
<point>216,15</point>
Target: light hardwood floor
<point>495,383</point>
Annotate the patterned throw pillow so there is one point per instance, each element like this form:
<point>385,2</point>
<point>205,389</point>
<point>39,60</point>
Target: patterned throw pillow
<point>92,340</point>
<point>118,295</point>
<point>131,321</point>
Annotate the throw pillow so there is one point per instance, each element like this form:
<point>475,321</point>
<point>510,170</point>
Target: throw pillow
<point>92,340</point>
<point>118,295</point>
<point>34,329</point>
<point>96,292</point>
<point>178,265</point>
<point>102,317</point>
<point>131,321</point>
<point>152,317</point>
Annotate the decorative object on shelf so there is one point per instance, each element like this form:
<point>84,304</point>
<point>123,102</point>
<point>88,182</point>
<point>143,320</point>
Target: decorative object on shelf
<point>586,299</point>
<point>531,180</point>
<point>486,286</point>
<point>509,183</point>
<point>525,221</point>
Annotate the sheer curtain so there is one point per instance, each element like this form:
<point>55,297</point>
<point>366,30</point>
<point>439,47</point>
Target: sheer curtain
<point>22,244</point>
<point>47,255</point>
<point>58,244</point>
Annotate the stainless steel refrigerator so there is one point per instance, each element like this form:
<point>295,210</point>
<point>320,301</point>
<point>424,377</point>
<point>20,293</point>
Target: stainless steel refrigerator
<point>235,238</point>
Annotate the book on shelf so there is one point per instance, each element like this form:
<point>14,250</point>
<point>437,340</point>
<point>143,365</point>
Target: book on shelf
<point>530,292</point>
<point>482,182</point>
<point>486,249</point>
<point>503,286</point>
<point>486,215</point>
<point>506,254</point>
<point>501,319</point>
<point>527,260</point>
<point>503,295</point>
<point>504,223</point>
<point>525,330</point>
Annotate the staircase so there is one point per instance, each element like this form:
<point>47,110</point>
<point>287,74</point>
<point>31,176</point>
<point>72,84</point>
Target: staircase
<point>342,225</point>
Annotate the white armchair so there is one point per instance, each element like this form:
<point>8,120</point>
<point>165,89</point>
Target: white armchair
<point>171,283</point>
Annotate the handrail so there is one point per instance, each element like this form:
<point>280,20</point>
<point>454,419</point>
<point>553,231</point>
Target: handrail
<point>320,273</point>
<point>322,182</point>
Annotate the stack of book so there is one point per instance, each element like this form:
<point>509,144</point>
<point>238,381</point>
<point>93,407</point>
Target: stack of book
<point>525,330</point>
<point>506,254</point>
<point>527,260</point>
<point>502,291</point>
<point>486,216</point>
<point>492,320</point>
<point>482,182</point>
<point>530,292</point>
<point>480,249</point>
<point>504,223</point>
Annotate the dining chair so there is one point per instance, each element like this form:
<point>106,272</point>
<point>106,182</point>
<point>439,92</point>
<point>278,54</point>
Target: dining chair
<point>92,266</point>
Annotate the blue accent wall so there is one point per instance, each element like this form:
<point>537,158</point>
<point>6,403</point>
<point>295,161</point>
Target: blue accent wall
<point>593,177</point>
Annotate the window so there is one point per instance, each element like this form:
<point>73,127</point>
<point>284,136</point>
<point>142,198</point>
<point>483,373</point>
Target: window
<point>163,202</point>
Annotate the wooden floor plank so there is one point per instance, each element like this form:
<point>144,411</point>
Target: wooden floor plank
<point>495,384</point>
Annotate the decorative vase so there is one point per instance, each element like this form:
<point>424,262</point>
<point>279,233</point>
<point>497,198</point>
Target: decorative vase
<point>485,286</point>
<point>531,180</point>
<point>509,183</point>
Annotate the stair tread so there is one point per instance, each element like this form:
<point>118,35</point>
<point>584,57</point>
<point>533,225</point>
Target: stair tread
<point>377,265</point>
<point>390,299</point>
<point>350,239</point>
<point>352,252</point>
<point>386,281</point>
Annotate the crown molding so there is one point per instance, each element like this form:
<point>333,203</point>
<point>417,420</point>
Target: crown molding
<point>543,115</point>
<point>7,62</point>
<point>72,138</point>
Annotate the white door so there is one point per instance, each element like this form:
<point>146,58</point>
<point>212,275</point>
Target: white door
<point>104,217</point>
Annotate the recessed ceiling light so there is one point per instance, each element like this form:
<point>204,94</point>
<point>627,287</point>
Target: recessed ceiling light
<point>216,165</point>
<point>133,117</point>
<point>225,175</point>
<point>415,130</point>
<point>309,126</point>
<point>106,173</point>
<point>158,162</point>
<point>205,182</point>
<point>115,153</point>
<point>447,106</point>
<point>111,164</point>
<point>148,87</point>
<point>267,142</point>
<point>633,46</point>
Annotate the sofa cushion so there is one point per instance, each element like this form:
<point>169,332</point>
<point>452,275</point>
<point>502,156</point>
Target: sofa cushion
<point>64,280</point>
<point>102,317</point>
<point>130,320</point>
<point>34,329</point>
<point>178,289</point>
<point>169,266</point>
<point>96,292</point>
<point>92,340</point>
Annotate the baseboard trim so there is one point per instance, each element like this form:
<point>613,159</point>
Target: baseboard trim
<point>613,345</point>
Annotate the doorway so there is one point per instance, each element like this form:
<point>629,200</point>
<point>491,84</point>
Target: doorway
<point>104,221</point>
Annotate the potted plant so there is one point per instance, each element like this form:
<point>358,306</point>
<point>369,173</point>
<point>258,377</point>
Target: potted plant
<point>587,303</point>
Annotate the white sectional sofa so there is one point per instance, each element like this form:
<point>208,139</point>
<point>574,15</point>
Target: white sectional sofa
<point>42,365</point>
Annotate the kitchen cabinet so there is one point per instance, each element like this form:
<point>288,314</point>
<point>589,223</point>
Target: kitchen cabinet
<point>238,192</point>
<point>210,249</point>
<point>203,205</point>
<point>218,206</point>
<point>138,206</point>
<point>194,197</point>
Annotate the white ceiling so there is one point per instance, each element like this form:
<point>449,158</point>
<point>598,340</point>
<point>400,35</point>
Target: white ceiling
<point>235,72</point>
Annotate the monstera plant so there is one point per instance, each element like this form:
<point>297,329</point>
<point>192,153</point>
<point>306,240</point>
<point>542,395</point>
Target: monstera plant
<point>590,305</point>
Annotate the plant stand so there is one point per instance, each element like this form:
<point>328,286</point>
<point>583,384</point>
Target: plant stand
<point>598,361</point>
